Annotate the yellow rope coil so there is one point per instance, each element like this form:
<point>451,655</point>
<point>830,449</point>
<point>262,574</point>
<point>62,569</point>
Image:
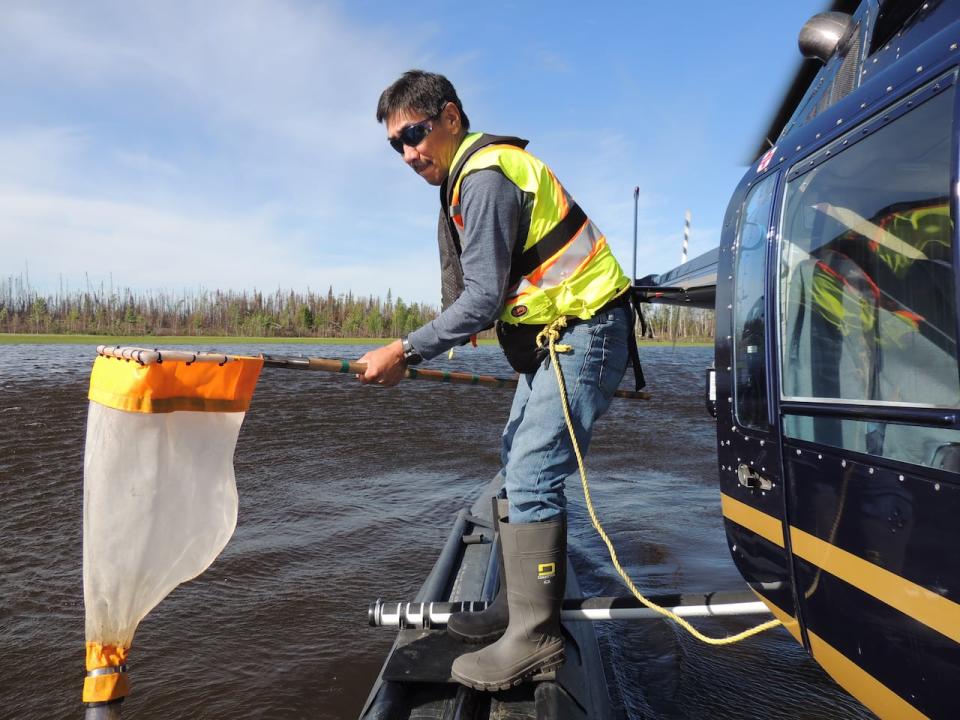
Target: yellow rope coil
<point>549,336</point>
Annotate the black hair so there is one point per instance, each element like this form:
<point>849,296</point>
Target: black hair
<point>421,92</point>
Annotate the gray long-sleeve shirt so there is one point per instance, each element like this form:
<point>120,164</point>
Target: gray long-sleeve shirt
<point>496,217</point>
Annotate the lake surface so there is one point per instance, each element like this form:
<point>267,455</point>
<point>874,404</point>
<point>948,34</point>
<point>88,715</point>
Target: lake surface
<point>347,494</point>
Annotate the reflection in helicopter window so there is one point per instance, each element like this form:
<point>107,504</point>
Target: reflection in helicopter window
<point>866,291</point>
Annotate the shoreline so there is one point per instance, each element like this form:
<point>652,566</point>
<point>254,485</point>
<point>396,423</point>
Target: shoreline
<point>212,340</point>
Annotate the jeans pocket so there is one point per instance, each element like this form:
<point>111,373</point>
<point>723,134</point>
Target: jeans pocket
<point>615,354</point>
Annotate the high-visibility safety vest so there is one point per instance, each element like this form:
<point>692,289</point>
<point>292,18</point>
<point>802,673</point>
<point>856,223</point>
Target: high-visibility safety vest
<point>562,267</point>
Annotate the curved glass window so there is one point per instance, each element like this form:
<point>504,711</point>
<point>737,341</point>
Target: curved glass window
<point>749,314</point>
<point>866,287</point>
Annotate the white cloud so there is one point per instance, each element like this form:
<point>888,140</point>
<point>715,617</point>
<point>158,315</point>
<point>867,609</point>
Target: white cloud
<point>295,71</point>
<point>226,144</point>
<point>139,246</point>
<point>146,163</point>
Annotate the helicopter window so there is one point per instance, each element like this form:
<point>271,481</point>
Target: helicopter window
<point>896,17</point>
<point>933,447</point>
<point>866,287</point>
<point>749,315</point>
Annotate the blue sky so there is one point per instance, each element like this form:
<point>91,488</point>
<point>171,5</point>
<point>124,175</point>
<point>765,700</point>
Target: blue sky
<point>213,144</point>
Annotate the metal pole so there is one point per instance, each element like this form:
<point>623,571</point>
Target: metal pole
<point>104,711</point>
<point>636,203</point>
<point>429,614</point>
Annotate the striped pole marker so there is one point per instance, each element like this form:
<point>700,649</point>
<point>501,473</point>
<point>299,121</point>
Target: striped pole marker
<point>686,236</point>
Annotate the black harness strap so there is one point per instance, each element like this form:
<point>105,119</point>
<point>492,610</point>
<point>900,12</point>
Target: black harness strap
<point>633,306</point>
<point>448,237</point>
<point>551,243</point>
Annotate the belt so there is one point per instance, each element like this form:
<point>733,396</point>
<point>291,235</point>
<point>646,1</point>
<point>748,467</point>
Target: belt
<point>624,300</point>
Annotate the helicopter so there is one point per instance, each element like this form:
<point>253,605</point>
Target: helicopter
<point>835,384</point>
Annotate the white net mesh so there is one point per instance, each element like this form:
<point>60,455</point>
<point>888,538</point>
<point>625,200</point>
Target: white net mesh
<point>159,504</point>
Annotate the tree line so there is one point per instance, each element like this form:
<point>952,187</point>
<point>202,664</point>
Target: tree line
<point>676,323</point>
<point>283,313</point>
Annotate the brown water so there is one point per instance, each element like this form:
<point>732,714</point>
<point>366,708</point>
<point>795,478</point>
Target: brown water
<point>347,494</point>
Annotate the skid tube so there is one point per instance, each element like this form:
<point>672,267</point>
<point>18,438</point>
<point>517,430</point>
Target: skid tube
<point>433,614</point>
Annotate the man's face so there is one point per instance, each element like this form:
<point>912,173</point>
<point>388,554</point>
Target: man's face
<point>432,157</point>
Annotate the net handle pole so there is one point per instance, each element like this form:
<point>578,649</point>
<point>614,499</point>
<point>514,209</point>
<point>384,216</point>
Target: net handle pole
<point>147,356</point>
<point>446,376</point>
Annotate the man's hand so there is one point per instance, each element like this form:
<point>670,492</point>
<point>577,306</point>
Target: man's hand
<point>385,366</point>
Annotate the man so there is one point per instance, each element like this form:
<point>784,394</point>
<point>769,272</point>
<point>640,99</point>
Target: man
<point>516,250</point>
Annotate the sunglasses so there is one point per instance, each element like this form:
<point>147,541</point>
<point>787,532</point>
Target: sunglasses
<point>413,135</point>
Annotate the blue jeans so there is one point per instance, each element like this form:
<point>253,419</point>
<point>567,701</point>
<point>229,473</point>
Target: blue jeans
<point>536,450</point>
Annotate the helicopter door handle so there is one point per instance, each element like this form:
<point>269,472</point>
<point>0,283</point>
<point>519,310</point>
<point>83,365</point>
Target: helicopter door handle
<point>750,478</point>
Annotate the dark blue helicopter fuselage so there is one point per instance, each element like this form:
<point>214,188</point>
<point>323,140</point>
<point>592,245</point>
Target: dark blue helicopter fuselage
<point>837,375</point>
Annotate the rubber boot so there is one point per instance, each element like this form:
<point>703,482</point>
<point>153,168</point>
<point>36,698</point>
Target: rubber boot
<point>534,558</point>
<point>489,624</point>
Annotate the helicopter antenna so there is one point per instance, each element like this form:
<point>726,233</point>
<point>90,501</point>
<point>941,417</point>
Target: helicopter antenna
<point>686,236</point>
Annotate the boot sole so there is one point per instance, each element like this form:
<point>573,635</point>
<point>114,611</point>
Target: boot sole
<point>552,662</point>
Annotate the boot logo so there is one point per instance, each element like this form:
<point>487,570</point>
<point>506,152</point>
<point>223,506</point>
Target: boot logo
<point>545,571</point>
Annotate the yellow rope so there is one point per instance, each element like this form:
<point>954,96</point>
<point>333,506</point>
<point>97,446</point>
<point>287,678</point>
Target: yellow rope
<point>550,335</point>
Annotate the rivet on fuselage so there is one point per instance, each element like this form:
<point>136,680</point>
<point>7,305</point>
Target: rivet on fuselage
<point>798,452</point>
<point>840,121</point>
<point>870,471</point>
<point>762,442</point>
<point>937,487</point>
<point>843,463</point>
<point>920,68</point>
<point>953,47</point>
<point>819,457</point>
<point>901,478</point>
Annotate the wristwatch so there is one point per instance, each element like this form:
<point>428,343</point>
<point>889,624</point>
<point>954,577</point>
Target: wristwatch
<point>410,354</point>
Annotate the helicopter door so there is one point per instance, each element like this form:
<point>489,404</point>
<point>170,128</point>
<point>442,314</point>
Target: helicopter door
<point>870,399</point>
<point>749,449</point>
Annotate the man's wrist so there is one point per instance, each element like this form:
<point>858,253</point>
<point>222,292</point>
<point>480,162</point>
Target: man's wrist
<point>410,354</point>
